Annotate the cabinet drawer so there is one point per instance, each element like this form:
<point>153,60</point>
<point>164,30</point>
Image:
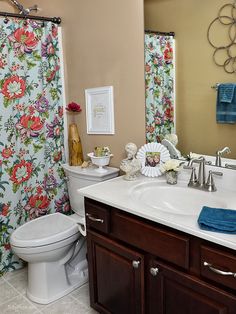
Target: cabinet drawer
<point>97,217</point>
<point>218,266</point>
<point>154,240</point>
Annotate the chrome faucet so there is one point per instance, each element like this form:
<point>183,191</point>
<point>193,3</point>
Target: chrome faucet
<point>219,153</point>
<point>199,182</point>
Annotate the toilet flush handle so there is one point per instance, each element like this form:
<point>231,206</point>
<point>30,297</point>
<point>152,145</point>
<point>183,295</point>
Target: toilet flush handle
<point>90,217</point>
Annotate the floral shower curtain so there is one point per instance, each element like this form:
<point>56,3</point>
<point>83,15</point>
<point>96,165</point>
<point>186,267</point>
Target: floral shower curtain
<point>159,86</point>
<point>31,128</point>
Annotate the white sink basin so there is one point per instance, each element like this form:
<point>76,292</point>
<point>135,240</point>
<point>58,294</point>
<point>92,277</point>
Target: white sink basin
<point>177,199</point>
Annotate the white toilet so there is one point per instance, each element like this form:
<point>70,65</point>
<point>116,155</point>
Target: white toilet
<point>54,245</point>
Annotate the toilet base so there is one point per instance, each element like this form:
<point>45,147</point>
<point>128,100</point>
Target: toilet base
<point>73,281</point>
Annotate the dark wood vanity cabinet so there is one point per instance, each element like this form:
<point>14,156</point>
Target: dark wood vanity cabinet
<point>174,292</point>
<point>137,266</point>
<point>116,276</point>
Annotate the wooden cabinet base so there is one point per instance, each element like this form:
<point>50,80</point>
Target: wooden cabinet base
<point>140,267</point>
<point>173,292</point>
<point>116,277</point>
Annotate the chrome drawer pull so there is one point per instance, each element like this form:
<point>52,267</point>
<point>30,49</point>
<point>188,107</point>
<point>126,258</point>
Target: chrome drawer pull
<point>218,271</point>
<point>94,219</point>
<point>135,264</point>
<point>154,271</point>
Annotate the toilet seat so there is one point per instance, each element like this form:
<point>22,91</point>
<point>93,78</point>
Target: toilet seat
<point>44,230</point>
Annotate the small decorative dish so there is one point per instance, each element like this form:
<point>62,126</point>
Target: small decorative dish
<point>152,155</point>
<point>100,161</point>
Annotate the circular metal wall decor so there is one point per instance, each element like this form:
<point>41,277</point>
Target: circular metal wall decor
<point>229,21</point>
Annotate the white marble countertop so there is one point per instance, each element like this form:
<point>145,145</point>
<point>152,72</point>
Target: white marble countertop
<point>119,193</point>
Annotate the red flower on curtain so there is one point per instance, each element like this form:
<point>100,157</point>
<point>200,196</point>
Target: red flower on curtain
<point>21,172</point>
<point>7,152</point>
<point>168,55</point>
<point>39,201</point>
<point>13,87</point>
<point>7,246</point>
<point>29,125</point>
<point>23,41</point>
<point>5,209</point>
<point>169,113</point>
<point>37,205</point>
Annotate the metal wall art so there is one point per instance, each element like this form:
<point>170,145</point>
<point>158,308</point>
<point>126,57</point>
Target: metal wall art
<point>227,18</point>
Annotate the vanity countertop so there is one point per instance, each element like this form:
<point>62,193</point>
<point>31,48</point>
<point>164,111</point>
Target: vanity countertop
<point>119,193</point>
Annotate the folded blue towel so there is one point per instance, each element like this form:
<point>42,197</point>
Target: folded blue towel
<point>226,103</point>
<point>226,92</point>
<point>217,220</point>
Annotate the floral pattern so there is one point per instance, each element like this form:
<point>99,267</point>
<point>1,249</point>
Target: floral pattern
<point>159,86</point>
<point>32,181</point>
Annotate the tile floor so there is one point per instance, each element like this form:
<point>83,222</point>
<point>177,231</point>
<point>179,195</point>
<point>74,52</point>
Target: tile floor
<point>13,298</point>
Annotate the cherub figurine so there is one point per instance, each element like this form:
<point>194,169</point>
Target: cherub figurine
<point>130,165</point>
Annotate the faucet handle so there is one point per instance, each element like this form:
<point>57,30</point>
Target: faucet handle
<point>219,153</point>
<point>193,178</point>
<point>229,166</point>
<point>210,185</point>
<point>187,167</point>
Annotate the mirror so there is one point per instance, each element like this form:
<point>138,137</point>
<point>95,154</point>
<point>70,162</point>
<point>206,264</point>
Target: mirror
<point>196,72</point>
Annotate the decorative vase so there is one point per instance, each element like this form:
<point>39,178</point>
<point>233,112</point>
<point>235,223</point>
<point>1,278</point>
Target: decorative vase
<point>171,177</point>
<point>75,146</point>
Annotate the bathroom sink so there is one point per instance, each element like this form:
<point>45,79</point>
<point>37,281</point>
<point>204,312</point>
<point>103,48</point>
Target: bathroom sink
<point>176,199</point>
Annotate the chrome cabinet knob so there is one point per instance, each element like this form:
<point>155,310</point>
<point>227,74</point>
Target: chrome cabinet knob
<point>154,271</point>
<point>136,264</point>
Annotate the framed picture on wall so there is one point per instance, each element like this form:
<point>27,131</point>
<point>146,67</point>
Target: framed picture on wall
<point>100,110</point>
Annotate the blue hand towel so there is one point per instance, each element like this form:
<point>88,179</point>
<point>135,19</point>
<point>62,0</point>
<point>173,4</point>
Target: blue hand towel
<point>226,103</point>
<point>226,92</point>
<point>217,220</point>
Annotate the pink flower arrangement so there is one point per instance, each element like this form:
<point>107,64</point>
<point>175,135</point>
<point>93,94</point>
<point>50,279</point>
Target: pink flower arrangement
<point>73,107</point>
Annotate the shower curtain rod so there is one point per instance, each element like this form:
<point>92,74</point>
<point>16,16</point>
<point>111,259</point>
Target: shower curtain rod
<point>161,33</point>
<point>56,20</point>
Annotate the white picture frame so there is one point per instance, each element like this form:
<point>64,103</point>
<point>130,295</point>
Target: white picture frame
<point>158,154</point>
<point>100,110</point>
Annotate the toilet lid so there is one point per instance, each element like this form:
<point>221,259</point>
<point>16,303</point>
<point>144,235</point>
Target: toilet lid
<point>44,230</point>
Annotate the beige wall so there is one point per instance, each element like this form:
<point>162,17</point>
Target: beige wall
<point>196,72</point>
<point>5,6</point>
<point>103,45</point>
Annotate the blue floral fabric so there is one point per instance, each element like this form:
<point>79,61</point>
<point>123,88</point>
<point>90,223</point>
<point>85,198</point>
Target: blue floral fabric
<point>32,181</point>
<point>159,86</point>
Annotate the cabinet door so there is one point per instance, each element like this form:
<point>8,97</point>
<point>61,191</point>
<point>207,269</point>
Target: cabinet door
<point>116,276</point>
<point>172,292</point>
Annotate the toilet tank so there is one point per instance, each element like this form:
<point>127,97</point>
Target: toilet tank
<point>81,177</point>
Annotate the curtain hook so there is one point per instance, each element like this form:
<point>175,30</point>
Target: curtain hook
<point>6,20</point>
<point>25,21</point>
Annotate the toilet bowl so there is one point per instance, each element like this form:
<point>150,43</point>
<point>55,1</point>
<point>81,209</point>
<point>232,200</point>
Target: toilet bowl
<point>47,244</point>
<point>54,245</point>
